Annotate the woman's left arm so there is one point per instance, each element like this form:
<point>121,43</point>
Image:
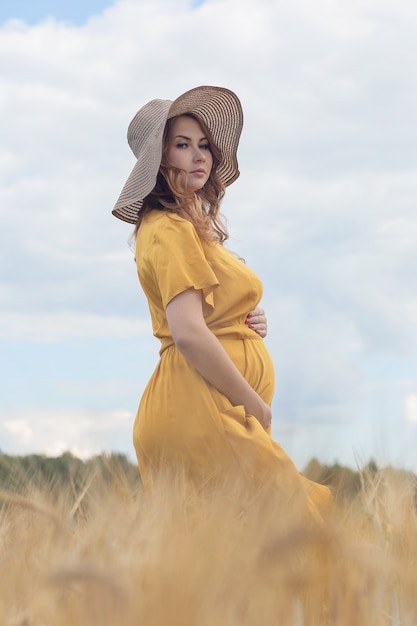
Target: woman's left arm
<point>256,320</point>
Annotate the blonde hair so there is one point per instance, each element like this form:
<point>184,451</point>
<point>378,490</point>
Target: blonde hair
<point>201,207</point>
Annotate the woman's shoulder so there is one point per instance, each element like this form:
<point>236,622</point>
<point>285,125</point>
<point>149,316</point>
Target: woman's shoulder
<point>160,217</point>
<point>163,231</point>
<point>160,222</point>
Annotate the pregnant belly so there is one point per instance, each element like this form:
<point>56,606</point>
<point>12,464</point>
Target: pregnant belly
<point>253,360</point>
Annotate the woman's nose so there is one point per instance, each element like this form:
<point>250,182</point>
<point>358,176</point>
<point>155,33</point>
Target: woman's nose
<point>199,155</point>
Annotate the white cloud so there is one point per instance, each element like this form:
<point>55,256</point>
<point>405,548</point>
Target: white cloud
<point>81,432</point>
<point>324,209</point>
<point>68,325</point>
<point>410,408</point>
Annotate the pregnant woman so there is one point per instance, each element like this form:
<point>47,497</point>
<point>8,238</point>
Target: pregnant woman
<point>206,411</point>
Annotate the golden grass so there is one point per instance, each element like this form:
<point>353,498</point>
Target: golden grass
<point>108,556</point>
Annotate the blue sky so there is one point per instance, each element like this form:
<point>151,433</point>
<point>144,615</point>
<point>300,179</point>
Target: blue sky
<point>34,11</point>
<point>324,211</point>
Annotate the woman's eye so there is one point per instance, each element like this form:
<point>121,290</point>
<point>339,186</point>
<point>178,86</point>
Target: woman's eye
<point>205,146</point>
<point>181,145</point>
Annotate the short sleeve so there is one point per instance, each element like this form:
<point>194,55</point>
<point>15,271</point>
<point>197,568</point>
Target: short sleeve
<point>177,261</point>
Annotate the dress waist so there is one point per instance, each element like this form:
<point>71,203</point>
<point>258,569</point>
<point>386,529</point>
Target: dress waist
<point>237,332</point>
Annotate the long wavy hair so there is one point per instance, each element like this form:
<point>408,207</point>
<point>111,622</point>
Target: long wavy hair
<point>201,207</point>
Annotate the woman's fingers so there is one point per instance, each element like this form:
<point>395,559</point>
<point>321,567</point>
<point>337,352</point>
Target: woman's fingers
<point>256,320</point>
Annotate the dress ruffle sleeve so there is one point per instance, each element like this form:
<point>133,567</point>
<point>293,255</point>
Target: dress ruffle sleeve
<point>177,261</point>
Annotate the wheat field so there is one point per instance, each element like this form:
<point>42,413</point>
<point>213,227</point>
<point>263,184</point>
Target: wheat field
<point>105,555</point>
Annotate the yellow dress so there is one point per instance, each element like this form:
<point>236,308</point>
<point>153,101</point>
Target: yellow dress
<point>182,420</point>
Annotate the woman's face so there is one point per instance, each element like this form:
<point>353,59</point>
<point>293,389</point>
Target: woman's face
<point>189,150</point>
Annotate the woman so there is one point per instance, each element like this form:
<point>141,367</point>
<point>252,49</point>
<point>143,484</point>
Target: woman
<point>207,406</point>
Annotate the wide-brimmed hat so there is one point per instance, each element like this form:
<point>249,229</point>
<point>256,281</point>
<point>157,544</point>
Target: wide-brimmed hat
<point>218,108</point>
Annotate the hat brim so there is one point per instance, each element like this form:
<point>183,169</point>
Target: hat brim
<point>218,108</point>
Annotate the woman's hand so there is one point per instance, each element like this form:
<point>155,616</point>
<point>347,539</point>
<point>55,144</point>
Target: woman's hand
<point>256,320</point>
<point>259,409</point>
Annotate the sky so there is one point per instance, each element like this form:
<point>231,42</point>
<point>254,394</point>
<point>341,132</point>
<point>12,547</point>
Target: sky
<point>324,211</point>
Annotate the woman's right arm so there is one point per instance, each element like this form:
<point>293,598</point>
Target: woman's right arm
<point>205,353</point>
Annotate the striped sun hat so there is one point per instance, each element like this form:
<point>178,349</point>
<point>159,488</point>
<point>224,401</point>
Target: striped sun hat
<point>218,108</point>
